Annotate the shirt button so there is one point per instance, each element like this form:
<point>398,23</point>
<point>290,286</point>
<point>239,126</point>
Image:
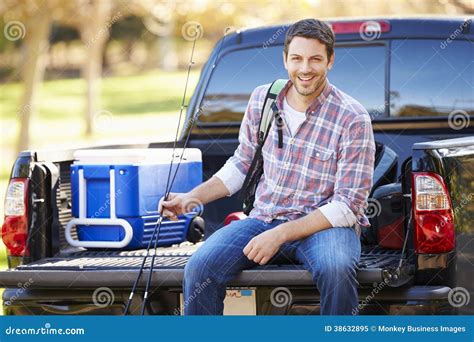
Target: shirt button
<point>292,141</point>
<point>287,164</point>
<point>317,154</point>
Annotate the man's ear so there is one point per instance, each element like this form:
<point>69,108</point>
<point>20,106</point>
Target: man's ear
<point>331,60</point>
<point>284,60</point>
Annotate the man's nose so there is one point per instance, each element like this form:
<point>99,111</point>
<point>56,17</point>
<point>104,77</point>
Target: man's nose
<point>305,67</point>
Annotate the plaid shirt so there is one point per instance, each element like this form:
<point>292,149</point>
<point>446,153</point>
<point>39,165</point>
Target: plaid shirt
<point>330,157</point>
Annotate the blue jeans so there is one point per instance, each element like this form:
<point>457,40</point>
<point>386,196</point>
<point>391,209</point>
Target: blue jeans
<point>330,255</point>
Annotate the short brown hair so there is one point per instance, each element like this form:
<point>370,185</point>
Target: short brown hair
<point>311,28</point>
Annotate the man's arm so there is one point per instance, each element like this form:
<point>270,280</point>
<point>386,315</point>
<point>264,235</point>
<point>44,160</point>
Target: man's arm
<point>303,227</point>
<point>229,179</point>
<point>355,167</point>
<point>232,174</point>
<point>209,191</point>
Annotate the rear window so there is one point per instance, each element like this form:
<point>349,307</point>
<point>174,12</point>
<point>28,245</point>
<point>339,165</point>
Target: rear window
<point>358,70</point>
<point>429,78</point>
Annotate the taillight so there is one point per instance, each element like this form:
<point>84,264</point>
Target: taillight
<point>433,214</point>
<point>15,229</point>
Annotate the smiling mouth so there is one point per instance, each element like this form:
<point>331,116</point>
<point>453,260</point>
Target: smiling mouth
<point>306,79</point>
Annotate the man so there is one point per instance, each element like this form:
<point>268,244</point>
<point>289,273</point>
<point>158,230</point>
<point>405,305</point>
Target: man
<point>310,201</point>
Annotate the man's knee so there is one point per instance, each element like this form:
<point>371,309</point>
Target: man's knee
<point>206,264</point>
<point>221,256</point>
<point>198,267</point>
<point>340,269</point>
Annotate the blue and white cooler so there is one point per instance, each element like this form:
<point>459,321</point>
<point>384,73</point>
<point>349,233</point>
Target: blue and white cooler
<point>115,195</point>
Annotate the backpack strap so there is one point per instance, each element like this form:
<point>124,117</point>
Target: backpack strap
<point>269,110</point>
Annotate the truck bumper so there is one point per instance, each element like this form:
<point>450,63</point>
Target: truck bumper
<point>415,300</point>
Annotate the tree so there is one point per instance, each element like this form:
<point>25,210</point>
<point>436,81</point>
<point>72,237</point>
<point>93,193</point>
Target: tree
<point>93,27</point>
<point>93,19</point>
<point>31,21</point>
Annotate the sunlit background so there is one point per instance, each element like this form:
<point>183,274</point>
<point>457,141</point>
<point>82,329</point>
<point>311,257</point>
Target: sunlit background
<point>81,72</point>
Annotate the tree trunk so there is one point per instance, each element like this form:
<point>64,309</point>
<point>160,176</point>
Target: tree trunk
<point>94,33</point>
<point>92,71</point>
<point>168,57</point>
<point>35,45</point>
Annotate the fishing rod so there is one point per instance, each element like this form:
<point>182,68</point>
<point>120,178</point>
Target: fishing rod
<point>168,184</point>
<point>168,188</point>
<point>194,118</point>
<point>156,229</point>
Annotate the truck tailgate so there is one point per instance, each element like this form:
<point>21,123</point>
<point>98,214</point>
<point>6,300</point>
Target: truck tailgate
<point>89,269</point>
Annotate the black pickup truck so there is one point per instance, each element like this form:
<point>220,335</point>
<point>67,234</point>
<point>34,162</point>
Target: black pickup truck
<point>416,79</point>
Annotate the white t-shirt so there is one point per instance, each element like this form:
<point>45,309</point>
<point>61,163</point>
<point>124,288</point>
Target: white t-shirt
<point>292,117</point>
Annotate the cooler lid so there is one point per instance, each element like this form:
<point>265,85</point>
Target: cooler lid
<point>136,156</point>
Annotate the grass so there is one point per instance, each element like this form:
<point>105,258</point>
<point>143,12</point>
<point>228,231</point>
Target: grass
<point>141,106</point>
<point>132,108</point>
<point>148,93</point>
<point>3,257</point>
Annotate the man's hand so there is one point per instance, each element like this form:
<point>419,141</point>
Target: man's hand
<point>264,246</point>
<point>176,205</point>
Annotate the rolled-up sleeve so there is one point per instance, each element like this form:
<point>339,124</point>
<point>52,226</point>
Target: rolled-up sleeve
<point>338,214</point>
<point>232,178</point>
<point>355,167</point>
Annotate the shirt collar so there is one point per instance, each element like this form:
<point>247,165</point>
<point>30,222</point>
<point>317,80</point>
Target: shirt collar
<point>314,106</point>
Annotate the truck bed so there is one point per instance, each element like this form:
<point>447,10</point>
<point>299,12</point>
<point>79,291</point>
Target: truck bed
<point>81,268</point>
<point>88,269</point>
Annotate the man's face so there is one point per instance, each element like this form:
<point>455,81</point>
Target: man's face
<point>307,64</point>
